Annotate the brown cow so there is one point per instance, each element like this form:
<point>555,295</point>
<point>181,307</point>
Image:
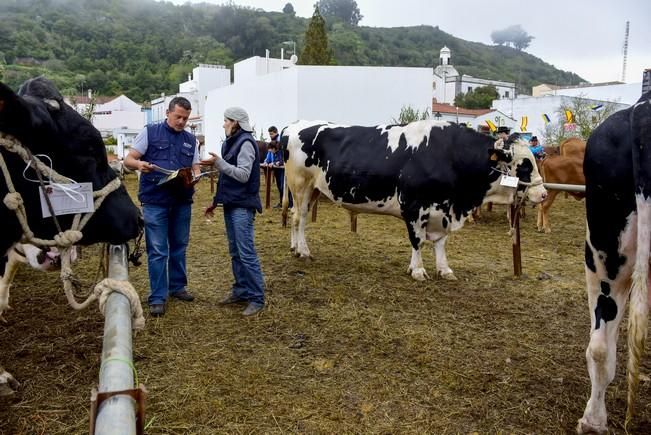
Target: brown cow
<point>573,147</point>
<point>561,170</point>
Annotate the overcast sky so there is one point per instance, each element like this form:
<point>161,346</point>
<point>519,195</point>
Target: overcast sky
<point>584,36</point>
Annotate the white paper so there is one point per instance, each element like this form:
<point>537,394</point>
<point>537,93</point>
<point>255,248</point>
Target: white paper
<point>78,200</point>
<point>509,181</point>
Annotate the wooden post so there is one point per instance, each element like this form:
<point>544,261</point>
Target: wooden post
<point>515,228</point>
<point>314,207</point>
<point>267,188</point>
<point>353,222</point>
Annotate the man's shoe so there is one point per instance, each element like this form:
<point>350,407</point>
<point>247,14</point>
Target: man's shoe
<point>231,299</point>
<point>183,295</point>
<point>157,310</point>
<point>252,308</point>
<point>278,206</point>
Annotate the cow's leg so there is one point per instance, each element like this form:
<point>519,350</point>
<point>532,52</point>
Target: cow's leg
<point>544,210</point>
<point>442,267</point>
<point>13,261</point>
<point>417,235</point>
<point>302,198</point>
<point>607,300</point>
<point>8,385</point>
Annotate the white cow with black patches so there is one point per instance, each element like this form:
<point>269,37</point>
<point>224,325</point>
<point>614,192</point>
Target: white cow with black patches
<point>431,174</point>
<point>617,169</point>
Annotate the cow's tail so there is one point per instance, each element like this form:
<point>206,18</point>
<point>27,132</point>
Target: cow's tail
<point>640,134</point>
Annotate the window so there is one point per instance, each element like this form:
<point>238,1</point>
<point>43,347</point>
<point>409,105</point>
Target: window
<point>469,89</point>
<point>506,94</point>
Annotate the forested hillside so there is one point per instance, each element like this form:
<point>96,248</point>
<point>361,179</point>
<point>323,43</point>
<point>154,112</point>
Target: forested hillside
<point>141,47</point>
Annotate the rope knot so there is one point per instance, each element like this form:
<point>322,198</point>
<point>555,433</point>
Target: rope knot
<point>108,285</point>
<point>13,201</point>
<point>68,238</point>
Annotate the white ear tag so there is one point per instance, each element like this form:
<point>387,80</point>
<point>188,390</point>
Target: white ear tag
<point>509,181</point>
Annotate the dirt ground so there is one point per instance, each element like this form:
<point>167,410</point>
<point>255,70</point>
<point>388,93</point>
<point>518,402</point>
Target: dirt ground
<point>348,343</point>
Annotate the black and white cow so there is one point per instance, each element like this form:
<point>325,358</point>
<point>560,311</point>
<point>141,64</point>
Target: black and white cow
<point>617,169</point>
<point>429,173</point>
<point>38,117</point>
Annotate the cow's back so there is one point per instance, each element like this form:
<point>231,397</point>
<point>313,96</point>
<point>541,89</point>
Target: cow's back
<point>572,147</point>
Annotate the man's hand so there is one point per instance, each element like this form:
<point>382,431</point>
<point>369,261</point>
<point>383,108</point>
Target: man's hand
<point>145,167</point>
<point>210,211</point>
<point>209,161</point>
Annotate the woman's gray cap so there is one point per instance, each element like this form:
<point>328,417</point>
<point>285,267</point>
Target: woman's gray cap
<point>238,114</point>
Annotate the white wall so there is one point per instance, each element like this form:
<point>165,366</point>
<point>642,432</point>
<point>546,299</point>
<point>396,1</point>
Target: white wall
<point>343,94</point>
<point>119,119</point>
<point>534,108</point>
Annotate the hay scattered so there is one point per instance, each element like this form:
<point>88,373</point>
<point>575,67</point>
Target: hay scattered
<point>348,343</point>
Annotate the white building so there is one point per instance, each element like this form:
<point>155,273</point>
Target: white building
<point>616,92</point>
<point>448,83</point>
<point>110,114</point>
<point>276,92</point>
<point>203,79</point>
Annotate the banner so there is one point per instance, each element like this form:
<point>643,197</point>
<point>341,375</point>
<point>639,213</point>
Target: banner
<point>491,126</point>
<point>523,124</point>
<point>569,116</point>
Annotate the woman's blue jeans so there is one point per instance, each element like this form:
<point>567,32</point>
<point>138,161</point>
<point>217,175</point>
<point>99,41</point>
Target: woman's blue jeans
<point>249,282</point>
<point>167,233</point>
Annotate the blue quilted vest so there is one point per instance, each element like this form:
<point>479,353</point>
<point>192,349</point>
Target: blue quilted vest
<point>230,192</point>
<point>168,149</point>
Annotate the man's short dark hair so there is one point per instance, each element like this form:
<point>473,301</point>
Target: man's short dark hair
<point>181,102</point>
<point>273,129</point>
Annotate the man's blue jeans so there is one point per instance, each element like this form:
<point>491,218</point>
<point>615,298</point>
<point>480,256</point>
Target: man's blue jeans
<point>249,282</point>
<point>167,233</point>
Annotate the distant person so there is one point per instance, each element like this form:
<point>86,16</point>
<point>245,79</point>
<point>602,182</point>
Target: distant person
<point>278,164</point>
<point>503,132</point>
<point>537,149</point>
<point>238,190</point>
<point>166,207</point>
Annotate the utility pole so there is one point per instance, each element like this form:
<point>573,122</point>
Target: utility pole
<point>625,52</point>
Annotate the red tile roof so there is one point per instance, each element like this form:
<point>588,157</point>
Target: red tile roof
<point>448,108</point>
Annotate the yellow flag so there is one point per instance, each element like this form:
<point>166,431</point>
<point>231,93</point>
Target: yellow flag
<point>569,116</point>
<point>523,124</point>
<point>491,126</point>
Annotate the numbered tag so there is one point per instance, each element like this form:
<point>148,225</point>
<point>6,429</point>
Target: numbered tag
<point>509,181</point>
<point>68,199</point>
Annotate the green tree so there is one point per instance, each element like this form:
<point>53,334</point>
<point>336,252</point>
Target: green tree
<point>587,117</point>
<point>289,9</point>
<point>479,98</point>
<point>345,10</point>
<point>409,114</point>
<point>316,51</point>
<point>513,35</point>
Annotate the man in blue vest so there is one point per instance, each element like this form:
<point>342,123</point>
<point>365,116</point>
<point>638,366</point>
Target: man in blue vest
<point>238,190</point>
<point>167,206</point>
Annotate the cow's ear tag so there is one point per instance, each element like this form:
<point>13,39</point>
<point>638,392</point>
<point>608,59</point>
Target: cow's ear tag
<point>509,181</point>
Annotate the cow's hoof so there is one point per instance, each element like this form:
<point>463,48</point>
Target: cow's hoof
<point>8,385</point>
<point>548,230</point>
<point>419,274</point>
<point>292,249</point>
<point>449,276</point>
<point>584,427</point>
<point>306,258</point>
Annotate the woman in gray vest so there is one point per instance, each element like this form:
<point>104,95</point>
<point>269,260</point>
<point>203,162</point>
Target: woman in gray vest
<point>238,190</point>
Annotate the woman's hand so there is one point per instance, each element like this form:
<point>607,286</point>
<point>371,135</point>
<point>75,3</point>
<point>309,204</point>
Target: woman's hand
<point>209,161</point>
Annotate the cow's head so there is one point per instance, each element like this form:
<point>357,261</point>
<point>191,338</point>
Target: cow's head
<point>39,118</point>
<point>513,157</point>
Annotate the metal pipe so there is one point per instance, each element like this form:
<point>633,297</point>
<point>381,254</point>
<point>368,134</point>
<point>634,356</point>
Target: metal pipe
<point>116,415</point>
<point>579,188</point>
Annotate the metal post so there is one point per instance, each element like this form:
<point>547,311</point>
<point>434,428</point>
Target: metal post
<point>353,222</point>
<point>116,415</point>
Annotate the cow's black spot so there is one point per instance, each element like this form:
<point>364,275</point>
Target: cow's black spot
<point>444,222</point>
<point>523,172</point>
<point>606,309</point>
<point>605,288</point>
<point>3,264</point>
<point>589,258</point>
<point>423,224</point>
